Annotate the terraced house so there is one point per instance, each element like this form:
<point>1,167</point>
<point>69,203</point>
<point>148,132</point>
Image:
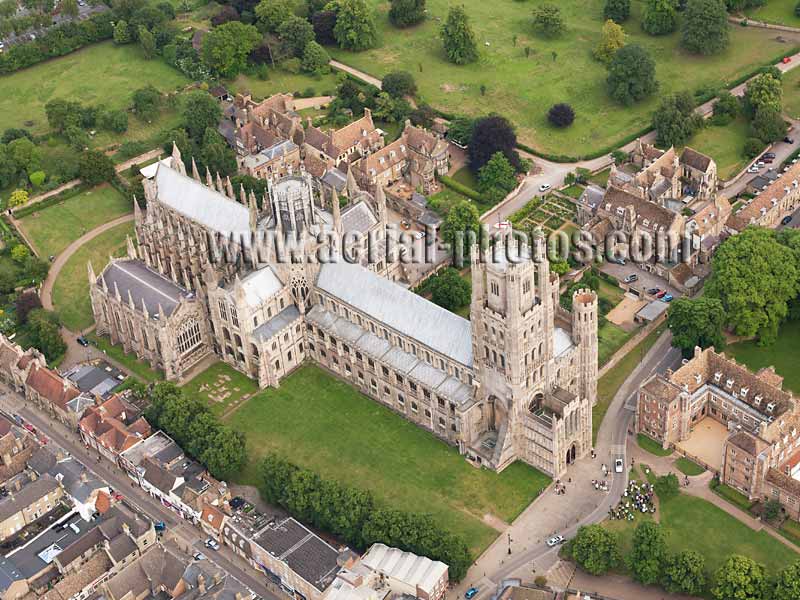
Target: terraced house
<point>516,381</point>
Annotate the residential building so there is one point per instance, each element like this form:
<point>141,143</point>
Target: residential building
<point>777,200</point>
<point>26,503</point>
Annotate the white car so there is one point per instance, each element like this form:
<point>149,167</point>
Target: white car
<point>753,169</point>
<point>555,541</point>
<point>419,235</point>
<point>544,187</point>
<point>199,556</point>
<point>212,543</point>
<point>618,465</point>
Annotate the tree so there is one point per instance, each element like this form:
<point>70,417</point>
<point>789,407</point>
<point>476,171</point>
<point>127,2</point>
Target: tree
<point>752,147</point>
<point>63,113</point>
<point>772,509</point>
<point>405,13</point>
<point>15,133</point>
<point>315,59</point>
<point>497,174</point>
<point>755,277</point>
<point>675,120</point>
<point>69,8</point>
<point>667,486</point>
<point>95,168</point>
<point>200,112</point>
<point>146,102</point>
<point>764,91</point>
<point>740,578</point>
<point>24,304</point>
<point>548,21</point>
<point>684,573</point>
<point>612,39</point>
<point>449,290</point>
<point>660,17</point>
<point>36,268</point>
<point>23,157</point>
<point>561,115</point>
<point>399,84</point>
<point>726,108</point>
<point>295,34</point>
<point>458,38</point>
<point>697,322</point>
<point>631,75</point>
<point>18,198</point>
<point>391,109</point>
<point>225,453</point>
<point>649,553</point>
<point>19,253</point>
<point>147,41</point>
<point>617,10</point>
<point>225,14</point>
<point>595,549</point>
<point>768,125</point>
<point>272,13</point>
<point>705,27</point>
<point>355,27</point>
<point>114,120</point>
<point>462,218</point>
<point>225,48</point>
<point>324,22</point>
<point>216,154</point>
<point>489,135</point>
<point>787,583</point>
<point>122,33</point>
<point>8,277</point>
<point>460,130</point>
<point>44,332</point>
<point>37,178</point>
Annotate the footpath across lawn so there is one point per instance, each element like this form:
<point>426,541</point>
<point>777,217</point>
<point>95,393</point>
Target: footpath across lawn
<point>56,227</point>
<point>323,424</point>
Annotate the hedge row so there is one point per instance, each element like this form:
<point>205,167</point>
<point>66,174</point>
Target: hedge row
<point>461,188</point>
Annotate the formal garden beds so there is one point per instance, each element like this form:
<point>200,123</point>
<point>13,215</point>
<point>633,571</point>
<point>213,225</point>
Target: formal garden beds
<point>550,213</point>
<point>404,466</point>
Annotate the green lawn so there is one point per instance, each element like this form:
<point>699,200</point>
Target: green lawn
<point>573,191</point>
<point>71,288</point>
<point>465,177</point>
<point>611,292</point>
<point>732,495</point>
<point>54,228</point>
<point>696,524</point>
<point>650,445</point>
<point>609,383</point>
<point>724,145</point>
<point>442,200</point>
<point>784,354</point>
<point>601,177</point>
<point>791,93</point>
<point>139,368</point>
<point>221,386</point>
<point>322,423</point>
<point>523,88</point>
<point>284,82</point>
<point>688,467</point>
<point>98,74</point>
<point>776,11</point>
<point>610,338</point>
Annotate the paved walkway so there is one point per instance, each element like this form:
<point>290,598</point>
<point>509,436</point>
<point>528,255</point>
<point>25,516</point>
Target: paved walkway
<point>356,73</point>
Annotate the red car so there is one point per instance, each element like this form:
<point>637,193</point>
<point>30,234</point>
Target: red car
<point>30,427</point>
<point>787,59</point>
<point>661,294</point>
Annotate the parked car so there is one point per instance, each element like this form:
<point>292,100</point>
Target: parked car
<point>753,169</point>
<point>544,187</point>
<point>788,140</point>
<point>768,155</point>
<point>212,543</point>
<point>653,291</point>
<point>419,235</point>
<point>502,225</point>
<point>631,278</point>
<point>555,541</point>
<point>471,593</point>
<point>787,59</point>
<point>237,502</point>
<point>199,556</point>
<point>82,341</point>
<point>160,526</point>
<point>618,465</point>
<point>617,261</point>
<point>661,294</point>
<point>667,298</point>
<point>786,220</point>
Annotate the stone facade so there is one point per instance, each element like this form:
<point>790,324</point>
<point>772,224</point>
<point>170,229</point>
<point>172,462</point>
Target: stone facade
<point>517,382</point>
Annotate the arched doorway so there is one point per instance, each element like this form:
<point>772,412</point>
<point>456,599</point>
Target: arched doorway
<point>571,454</point>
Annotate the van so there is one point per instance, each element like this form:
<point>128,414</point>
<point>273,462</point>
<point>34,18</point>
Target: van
<point>74,528</point>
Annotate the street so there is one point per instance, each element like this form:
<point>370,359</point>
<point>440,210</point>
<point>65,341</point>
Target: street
<point>179,534</point>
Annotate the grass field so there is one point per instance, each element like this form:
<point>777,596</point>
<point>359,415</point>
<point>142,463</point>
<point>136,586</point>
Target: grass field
<point>56,227</point>
<point>688,467</point>
<point>724,145</point>
<point>71,289</point>
<point>600,178</point>
<point>221,386</point>
<point>733,496</point>
<point>98,74</point>
<point>776,11</point>
<point>791,93</point>
<point>322,423</point>
<point>284,82</point>
<point>524,87</point>
<point>650,445</point>
<point>610,338</point>
<point>784,354</point>
<point>139,368</point>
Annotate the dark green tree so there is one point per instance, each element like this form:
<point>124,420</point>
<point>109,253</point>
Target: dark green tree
<point>272,13</point>
<point>462,219</point>
<point>200,112</point>
<point>295,33</point>
<point>548,21</point>
<point>96,167</point>
<point>631,75</point>
<point>404,13</point>
<point>147,41</point>
<point>696,322</point>
<point>315,59</point>
<point>726,108</point>
<point>649,553</point>
<point>595,549</point>
<point>617,10</point>
<point>216,154</point>
<point>458,38</point>
<point>675,120</point>
<point>667,486</point>
<point>355,25</point>
<point>449,290</point>
<point>768,125</point>
<point>764,91</point>
<point>705,27</point>
<point>684,573</point>
<point>225,48</point>
<point>497,175</point>
<point>399,84</point>
<point>660,17</point>
<point>147,102</point>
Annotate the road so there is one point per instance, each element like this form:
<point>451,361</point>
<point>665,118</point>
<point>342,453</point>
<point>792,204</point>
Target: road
<point>550,514</point>
<point>180,533</point>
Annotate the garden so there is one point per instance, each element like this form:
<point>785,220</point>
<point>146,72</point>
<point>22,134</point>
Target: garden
<point>784,354</point>
<point>551,213</point>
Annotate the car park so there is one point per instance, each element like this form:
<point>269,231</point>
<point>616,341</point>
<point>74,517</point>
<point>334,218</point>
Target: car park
<point>768,155</point>
<point>631,278</point>
<point>471,592</point>
<point>753,169</point>
<point>237,502</point>
<point>617,261</point>
<point>555,541</point>
<point>502,225</point>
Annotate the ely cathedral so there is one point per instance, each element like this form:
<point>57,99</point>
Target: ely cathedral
<point>205,279</point>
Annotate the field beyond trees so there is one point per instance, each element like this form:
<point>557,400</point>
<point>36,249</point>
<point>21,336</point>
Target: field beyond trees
<point>557,70</point>
<point>323,424</point>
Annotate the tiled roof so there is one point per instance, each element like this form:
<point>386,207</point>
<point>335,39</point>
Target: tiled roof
<point>212,516</point>
<point>51,386</point>
<point>774,191</point>
<point>695,159</point>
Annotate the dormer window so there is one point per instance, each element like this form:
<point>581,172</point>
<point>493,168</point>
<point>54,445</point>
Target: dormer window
<point>771,407</point>
<point>717,377</point>
<point>757,400</point>
<point>744,392</point>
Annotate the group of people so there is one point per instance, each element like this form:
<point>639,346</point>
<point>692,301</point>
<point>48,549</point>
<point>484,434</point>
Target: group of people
<point>637,498</point>
<point>599,485</point>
